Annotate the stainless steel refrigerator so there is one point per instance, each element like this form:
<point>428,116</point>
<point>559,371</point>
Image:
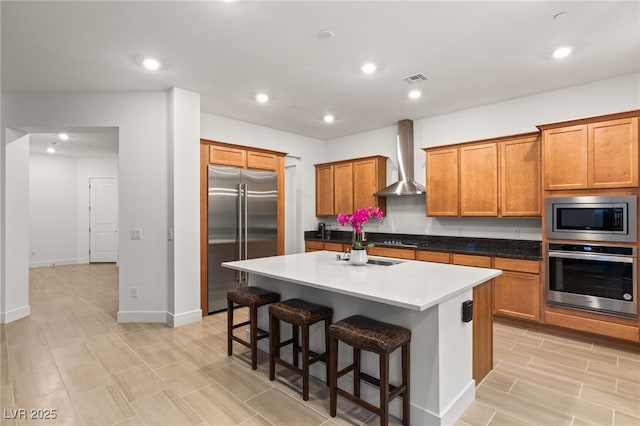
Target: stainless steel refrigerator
<point>242,216</point>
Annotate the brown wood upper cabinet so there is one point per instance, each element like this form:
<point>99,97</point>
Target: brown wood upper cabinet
<point>591,154</point>
<point>238,157</point>
<point>479,180</point>
<point>442,182</point>
<point>343,186</point>
<point>491,178</point>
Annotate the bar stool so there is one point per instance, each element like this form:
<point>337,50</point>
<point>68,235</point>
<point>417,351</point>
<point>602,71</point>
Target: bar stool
<point>298,313</point>
<point>253,298</point>
<point>367,334</point>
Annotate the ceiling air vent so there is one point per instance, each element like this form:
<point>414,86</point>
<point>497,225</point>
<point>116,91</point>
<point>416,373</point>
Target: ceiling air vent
<point>416,78</point>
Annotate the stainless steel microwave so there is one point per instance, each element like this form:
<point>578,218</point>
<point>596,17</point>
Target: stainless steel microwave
<point>595,218</point>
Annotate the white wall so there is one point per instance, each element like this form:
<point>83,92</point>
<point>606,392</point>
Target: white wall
<point>58,207</point>
<point>15,299</point>
<point>141,119</point>
<point>311,151</point>
<point>407,214</point>
<point>53,210</point>
<point>184,191</point>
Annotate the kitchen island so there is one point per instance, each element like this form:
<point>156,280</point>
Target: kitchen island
<point>424,297</point>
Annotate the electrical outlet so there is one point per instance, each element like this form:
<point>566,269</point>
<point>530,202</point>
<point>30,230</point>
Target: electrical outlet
<point>134,292</point>
<point>136,234</point>
<point>516,232</point>
<point>170,234</point>
<point>33,252</point>
<point>460,230</point>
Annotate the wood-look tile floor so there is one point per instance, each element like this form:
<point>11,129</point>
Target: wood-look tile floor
<point>72,356</point>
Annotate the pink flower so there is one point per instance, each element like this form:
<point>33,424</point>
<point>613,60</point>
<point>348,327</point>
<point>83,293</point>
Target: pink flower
<point>359,217</point>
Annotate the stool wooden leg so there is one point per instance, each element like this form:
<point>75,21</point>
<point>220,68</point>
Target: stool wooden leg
<point>274,345</point>
<point>229,327</point>
<point>305,362</point>
<point>356,372</point>
<point>326,348</point>
<point>253,327</point>
<point>296,343</point>
<point>406,410</point>
<point>333,371</point>
<point>384,389</point>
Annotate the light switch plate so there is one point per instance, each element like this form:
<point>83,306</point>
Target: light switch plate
<point>136,234</point>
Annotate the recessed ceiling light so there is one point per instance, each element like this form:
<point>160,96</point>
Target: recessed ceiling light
<point>328,118</point>
<point>368,68</point>
<point>151,64</point>
<point>324,34</point>
<point>63,136</point>
<point>262,98</point>
<point>415,94</point>
<point>562,52</point>
<point>51,150</point>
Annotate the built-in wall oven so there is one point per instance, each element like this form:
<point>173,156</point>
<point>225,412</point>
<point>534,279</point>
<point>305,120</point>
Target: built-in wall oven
<point>601,278</point>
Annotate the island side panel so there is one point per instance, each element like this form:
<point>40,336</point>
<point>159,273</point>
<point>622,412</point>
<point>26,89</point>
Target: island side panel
<point>441,349</point>
<point>482,330</point>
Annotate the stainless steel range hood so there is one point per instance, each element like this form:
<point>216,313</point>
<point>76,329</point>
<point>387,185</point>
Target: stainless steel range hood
<point>406,185</point>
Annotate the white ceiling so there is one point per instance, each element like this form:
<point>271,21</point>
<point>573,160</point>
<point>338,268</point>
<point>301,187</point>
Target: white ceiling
<point>473,52</point>
<point>82,143</point>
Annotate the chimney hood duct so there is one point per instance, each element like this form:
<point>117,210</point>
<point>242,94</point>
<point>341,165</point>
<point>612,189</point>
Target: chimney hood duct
<point>405,184</point>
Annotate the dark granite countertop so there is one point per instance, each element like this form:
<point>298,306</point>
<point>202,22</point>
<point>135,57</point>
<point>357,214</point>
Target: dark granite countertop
<point>516,249</point>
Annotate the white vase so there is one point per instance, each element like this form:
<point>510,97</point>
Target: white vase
<point>358,257</point>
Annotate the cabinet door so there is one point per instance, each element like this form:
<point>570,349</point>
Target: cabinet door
<point>261,160</point>
<point>343,188</point>
<point>313,246</point>
<point>227,156</point>
<point>479,180</point>
<point>520,177</point>
<point>613,153</point>
<point>517,295</point>
<point>369,176</point>
<point>324,190</point>
<point>335,247</point>
<point>565,158</point>
<point>433,256</point>
<point>442,182</point>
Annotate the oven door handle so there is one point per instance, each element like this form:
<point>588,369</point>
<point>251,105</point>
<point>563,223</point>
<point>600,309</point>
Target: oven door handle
<point>619,259</point>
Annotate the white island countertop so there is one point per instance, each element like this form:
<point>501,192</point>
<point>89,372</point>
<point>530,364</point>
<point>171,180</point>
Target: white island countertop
<point>410,284</point>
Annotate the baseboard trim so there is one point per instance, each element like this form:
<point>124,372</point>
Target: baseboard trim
<point>448,416</point>
<point>15,314</point>
<point>57,262</point>
<point>176,320</point>
<point>142,316</point>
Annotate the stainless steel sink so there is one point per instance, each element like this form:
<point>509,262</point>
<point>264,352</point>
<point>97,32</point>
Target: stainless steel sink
<point>383,262</point>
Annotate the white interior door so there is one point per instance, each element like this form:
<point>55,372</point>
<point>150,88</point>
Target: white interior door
<point>103,228</point>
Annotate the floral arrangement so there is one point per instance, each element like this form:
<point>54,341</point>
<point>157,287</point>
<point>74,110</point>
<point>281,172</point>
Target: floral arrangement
<point>357,221</point>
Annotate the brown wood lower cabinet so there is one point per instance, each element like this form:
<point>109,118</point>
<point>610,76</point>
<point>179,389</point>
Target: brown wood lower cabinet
<point>335,246</point>
<point>313,246</point>
<point>516,293</point>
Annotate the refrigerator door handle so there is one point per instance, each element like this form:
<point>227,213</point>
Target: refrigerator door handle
<point>245,240</point>
<point>239,275</point>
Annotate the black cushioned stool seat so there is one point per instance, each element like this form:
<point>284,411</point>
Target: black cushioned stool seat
<point>363,333</point>
<point>303,314</point>
<point>253,298</point>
